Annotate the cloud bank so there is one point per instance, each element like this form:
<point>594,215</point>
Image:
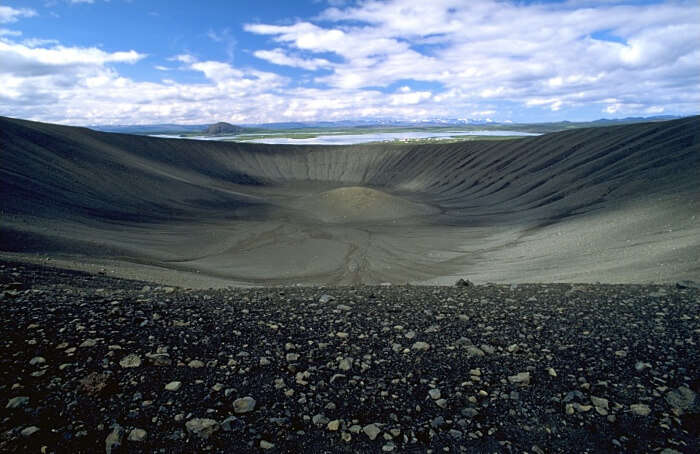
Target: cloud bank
<point>402,59</point>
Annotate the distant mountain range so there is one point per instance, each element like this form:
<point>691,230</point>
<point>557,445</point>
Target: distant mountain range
<point>228,128</point>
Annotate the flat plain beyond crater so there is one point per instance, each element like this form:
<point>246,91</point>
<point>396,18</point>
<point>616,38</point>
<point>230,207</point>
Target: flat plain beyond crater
<point>615,204</point>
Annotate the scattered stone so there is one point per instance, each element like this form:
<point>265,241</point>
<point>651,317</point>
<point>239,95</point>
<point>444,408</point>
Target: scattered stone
<point>131,360</point>
<point>523,379</point>
<point>114,439</point>
<point>464,283</point>
<point>371,430</point>
<point>202,427</point>
<point>94,383</point>
<point>599,402</point>
<point>421,346</point>
<point>244,405</point>
<point>137,435</point>
<point>173,386</point>
<point>88,343</point>
<point>324,299</point>
<point>434,393</point>
<point>195,364</point>
<point>37,361</point>
<point>266,445</point>
<point>17,402</point>
<point>29,431</point>
<point>682,397</point>
<point>640,409</point>
<point>345,364</point>
<point>687,284</point>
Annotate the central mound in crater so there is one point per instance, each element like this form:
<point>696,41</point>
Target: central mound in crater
<point>357,204</point>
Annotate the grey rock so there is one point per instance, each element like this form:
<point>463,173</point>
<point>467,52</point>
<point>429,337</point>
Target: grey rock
<point>437,422</point>
<point>599,402</point>
<point>244,405</point>
<point>464,283</point>
<point>173,386</point>
<point>130,361</point>
<point>683,398</point>
<point>114,439</point>
<point>29,431</point>
<point>523,379</point>
<point>371,430</point>
<point>17,402</point>
<point>89,343</point>
<point>687,284</point>
<point>434,394</point>
<point>345,364</point>
<point>472,350</point>
<point>137,435</point>
<point>469,412</point>
<point>325,299</point>
<point>232,423</point>
<point>37,360</point>
<point>421,346</point>
<point>640,409</point>
<point>202,427</point>
<point>195,364</point>
<point>320,420</point>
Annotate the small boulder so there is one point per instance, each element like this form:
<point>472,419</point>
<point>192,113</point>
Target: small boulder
<point>202,427</point>
<point>244,405</point>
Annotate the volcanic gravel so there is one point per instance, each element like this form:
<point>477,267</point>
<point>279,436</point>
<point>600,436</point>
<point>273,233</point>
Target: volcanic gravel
<point>90,363</point>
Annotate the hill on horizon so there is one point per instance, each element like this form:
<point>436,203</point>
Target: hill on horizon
<point>223,128</point>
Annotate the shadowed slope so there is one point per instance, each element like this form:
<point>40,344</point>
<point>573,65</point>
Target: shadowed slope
<point>611,204</point>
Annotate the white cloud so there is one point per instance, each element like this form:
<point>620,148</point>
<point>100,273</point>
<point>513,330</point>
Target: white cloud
<point>8,32</point>
<point>279,57</point>
<point>9,14</point>
<point>448,58</point>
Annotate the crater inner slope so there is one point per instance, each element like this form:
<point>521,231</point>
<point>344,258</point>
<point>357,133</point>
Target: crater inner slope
<point>609,204</point>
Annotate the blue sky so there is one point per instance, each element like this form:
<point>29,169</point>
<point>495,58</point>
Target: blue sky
<point>139,62</point>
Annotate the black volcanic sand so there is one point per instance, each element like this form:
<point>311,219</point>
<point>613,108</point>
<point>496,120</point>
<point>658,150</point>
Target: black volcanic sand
<point>536,368</point>
<point>616,204</point>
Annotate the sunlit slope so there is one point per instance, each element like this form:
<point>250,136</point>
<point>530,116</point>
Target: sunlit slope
<point>517,210</point>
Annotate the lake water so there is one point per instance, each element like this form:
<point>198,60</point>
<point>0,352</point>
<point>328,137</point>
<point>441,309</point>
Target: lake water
<point>350,139</point>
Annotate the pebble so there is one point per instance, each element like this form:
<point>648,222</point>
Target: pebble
<point>37,360</point>
<point>129,361</point>
<point>29,431</point>
<point>244,405</point>
<point>202,427</point>
<point>173,386</point>
<point>325,299</point>
<point>371,430</point>
<point>137,435</point>
<point>640,409</point>
<point>17,402</point>
<point>523,378</point>
<point>421,346</point>
<point>88,343</point>
<point>114,439</point>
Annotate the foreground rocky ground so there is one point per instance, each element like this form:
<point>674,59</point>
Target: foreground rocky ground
<point>91,363</point>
